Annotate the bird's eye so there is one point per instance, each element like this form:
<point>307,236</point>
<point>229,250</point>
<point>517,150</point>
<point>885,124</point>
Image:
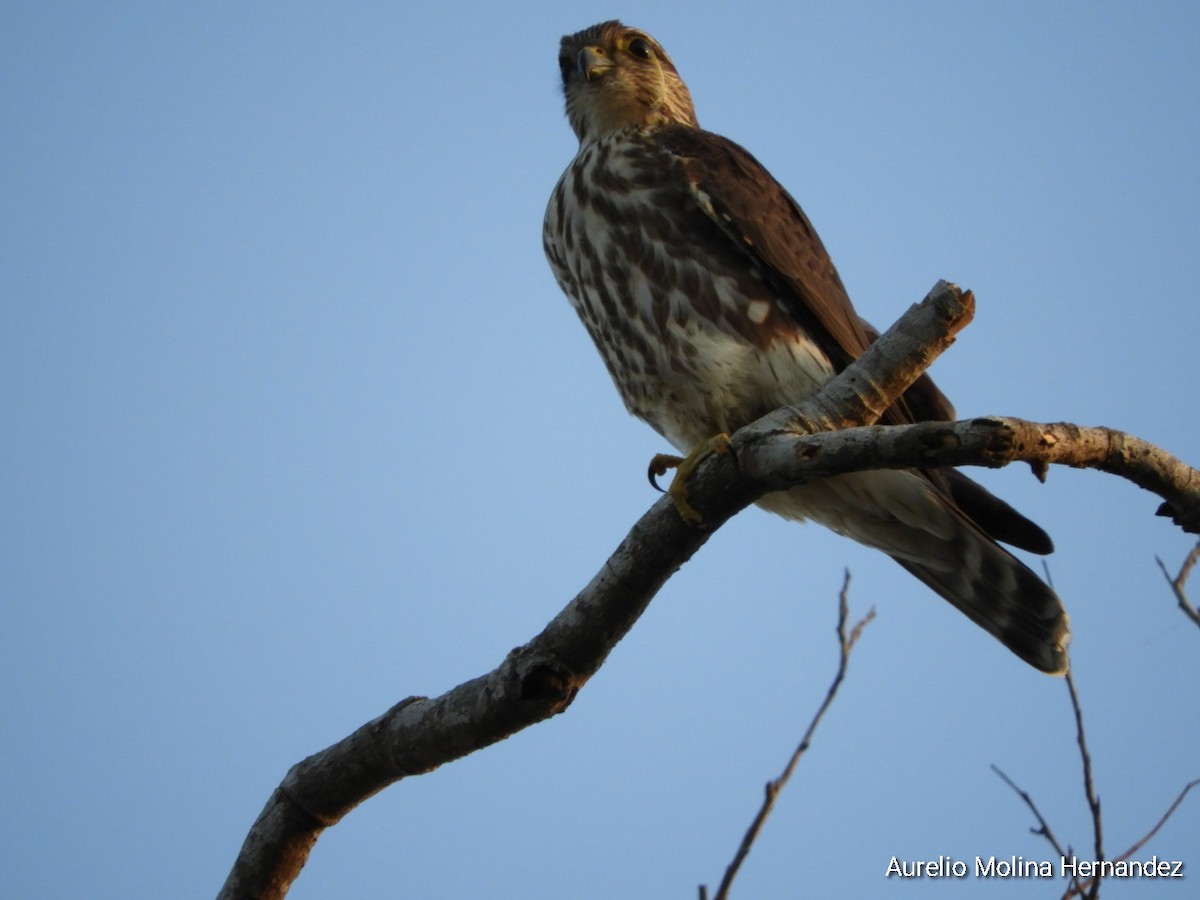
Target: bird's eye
<point>640,47</point>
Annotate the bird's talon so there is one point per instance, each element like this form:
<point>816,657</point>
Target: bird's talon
<point>659,466</point>
<point>678,492</point>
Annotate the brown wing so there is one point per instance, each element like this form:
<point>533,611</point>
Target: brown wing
<point>761,218</point>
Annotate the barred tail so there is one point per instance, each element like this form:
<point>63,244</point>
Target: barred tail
<point>1003,596</point>
<point>919,525</point>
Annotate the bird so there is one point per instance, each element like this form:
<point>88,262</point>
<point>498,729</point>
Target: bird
<point>713,301</point>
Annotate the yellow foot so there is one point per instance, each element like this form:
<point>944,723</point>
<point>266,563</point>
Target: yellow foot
<point>684,467</point>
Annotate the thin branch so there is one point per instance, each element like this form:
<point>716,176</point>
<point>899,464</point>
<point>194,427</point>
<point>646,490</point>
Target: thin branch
<point>1092,885</point>
<point>1089,787</point>
<point>1138,845</point>
<point>1179,581</point>
<point>1089,887</point>
<point>846,644</point>
<point>1043,828</point>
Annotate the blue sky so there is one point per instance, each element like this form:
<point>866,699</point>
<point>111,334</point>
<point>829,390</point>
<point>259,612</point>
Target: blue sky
<point>298,424</point>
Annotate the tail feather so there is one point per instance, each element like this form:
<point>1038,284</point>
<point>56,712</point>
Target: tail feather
<point>920,525</point>
<point>1005,598</point>
<point>999,520</point>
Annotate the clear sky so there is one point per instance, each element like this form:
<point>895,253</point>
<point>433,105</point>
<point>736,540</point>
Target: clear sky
<point>297,423</point>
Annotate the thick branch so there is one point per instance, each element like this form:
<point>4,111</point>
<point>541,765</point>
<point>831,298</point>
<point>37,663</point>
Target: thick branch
<point>779,458</point>
<point>541,678</point>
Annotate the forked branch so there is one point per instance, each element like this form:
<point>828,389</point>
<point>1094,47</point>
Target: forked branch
<point>1179,582</point>
<point>540,679</point>
<point>1088,887</point>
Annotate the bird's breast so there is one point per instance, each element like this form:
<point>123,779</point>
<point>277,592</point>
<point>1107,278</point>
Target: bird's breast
<point>692,334</point>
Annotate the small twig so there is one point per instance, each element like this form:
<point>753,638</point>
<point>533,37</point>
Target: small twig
<point>1141,842</point>
<point>1089,787</point>
<point>846,644</point>
<point>1089,887</point>
<point>1043,828</point>
<point>1161,822</point>
<point>1177,583</point>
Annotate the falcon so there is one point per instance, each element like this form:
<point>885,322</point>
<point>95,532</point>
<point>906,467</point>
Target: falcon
<point>713,302</point>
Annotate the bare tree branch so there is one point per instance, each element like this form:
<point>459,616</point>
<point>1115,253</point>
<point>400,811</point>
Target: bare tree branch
<point>541,678</point>
<point>1179,581</point>
<point>846,644</point>
<point>1091,887</point>
<point>768,452</point>
<point>1142,841</point>
<point>1043,828</point>
<point>1088,887</point>
<point>1089,787</point>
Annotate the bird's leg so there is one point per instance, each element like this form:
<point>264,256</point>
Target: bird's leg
<point>684,467</point>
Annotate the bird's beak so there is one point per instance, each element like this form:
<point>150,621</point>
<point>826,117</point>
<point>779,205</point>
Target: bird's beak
<point>592,63</point>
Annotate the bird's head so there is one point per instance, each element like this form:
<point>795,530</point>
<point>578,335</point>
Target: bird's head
<point>616,77</point>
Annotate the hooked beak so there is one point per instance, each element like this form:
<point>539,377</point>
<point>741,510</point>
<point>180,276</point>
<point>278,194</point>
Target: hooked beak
<point>592,63</point>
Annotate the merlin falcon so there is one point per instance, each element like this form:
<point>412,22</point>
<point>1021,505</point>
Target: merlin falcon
<point>713,302</point>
